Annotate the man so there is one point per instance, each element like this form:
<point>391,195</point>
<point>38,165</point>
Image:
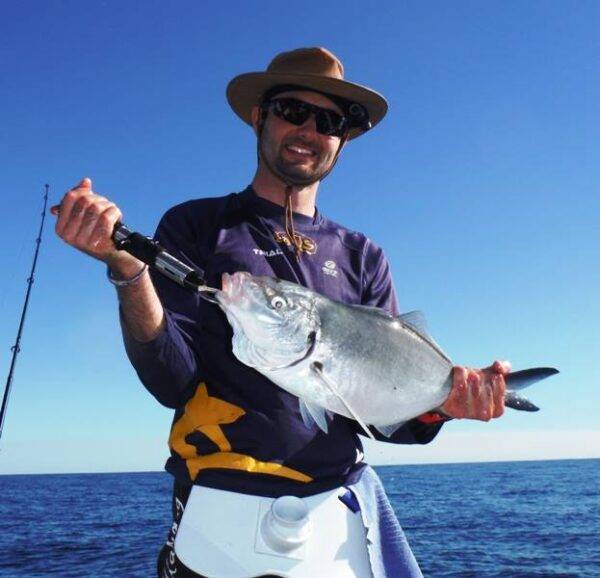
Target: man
<point>234,432</point>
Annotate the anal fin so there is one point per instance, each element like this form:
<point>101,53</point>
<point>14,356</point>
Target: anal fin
<point>388,430</point>
<point>312,413</point>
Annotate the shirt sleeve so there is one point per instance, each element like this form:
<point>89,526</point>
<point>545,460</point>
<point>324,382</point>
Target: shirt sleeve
<point>170,365</point>
<point>379,292</point>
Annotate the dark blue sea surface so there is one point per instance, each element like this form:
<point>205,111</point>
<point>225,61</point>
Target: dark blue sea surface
<point>511,519</point>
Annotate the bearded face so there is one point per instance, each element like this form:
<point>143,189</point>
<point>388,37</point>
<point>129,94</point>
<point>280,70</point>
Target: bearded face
<point>298,155</point>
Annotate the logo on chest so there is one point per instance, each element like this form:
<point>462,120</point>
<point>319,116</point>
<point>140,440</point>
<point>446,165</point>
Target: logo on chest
<point>271,253</point>
<point>305,244</point>
<point>330,268</point>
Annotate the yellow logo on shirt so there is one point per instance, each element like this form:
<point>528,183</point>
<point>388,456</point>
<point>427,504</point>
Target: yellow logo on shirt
<point>206,414</point>
<point>305,244</point>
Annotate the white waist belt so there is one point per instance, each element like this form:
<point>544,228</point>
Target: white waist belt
<point>231,535</point>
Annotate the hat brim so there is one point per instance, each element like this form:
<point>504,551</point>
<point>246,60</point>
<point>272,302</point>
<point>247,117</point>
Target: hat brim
<point>245,91</point>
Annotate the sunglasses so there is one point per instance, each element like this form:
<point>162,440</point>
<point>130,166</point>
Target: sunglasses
<point>297,112</point>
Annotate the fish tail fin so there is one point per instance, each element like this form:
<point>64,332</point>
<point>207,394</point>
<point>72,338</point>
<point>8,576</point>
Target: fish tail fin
<point>516,401</point>
<point>521,379</point>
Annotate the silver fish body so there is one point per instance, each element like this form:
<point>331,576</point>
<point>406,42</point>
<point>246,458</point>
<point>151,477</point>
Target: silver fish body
<point>352,360</point>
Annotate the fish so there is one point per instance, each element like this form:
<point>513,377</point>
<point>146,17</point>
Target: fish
<point>352,360</point>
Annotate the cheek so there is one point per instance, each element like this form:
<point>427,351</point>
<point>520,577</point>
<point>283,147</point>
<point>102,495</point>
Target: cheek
<point>330,147</point>
<point>274,132</point>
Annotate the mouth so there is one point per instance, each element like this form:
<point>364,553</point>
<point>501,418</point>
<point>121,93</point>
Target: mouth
<point>300,150</point>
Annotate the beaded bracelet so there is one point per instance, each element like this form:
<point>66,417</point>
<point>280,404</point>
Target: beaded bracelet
<point>126,282</point>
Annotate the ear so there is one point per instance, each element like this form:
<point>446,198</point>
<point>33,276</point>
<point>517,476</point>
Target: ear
<point>255,119</point>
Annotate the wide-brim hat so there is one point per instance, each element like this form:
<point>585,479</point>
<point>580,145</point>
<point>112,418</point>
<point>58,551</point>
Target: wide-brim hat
<point>310,68</point>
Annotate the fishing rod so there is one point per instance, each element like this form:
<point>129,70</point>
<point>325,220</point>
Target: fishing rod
<point>141,247</point>
<point>17,346</point>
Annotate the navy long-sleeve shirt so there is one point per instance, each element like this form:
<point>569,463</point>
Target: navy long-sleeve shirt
<point>234,429</point>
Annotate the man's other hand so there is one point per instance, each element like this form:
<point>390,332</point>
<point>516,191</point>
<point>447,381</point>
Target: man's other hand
<point>477,393</point>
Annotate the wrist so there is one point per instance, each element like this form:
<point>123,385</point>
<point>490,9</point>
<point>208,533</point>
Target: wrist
<point>126,282</point>
<point>123,266</point>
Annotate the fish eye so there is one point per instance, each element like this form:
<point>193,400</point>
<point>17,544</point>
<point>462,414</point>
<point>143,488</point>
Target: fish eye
<point>278,302</point>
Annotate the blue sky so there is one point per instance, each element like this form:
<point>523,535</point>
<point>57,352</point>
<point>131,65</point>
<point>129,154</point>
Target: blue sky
<point>482,185</point>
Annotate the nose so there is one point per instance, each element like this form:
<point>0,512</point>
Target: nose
<point>310,125</point>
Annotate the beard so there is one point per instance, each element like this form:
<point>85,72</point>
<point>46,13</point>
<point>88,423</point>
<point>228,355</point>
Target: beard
<point>289,171</point>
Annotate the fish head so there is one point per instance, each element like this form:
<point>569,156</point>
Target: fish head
<point>274,322</point>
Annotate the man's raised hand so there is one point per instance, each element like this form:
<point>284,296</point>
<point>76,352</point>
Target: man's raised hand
<point>86,221</point>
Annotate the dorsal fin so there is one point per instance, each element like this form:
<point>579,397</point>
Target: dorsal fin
<point>416,320</point>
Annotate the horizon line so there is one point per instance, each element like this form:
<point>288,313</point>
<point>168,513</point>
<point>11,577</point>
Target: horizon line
<point>411,464</point>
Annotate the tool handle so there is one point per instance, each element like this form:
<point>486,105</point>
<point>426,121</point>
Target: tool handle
<point>151,253</point>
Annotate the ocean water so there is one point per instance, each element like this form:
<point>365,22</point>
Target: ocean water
<point>511,519</point>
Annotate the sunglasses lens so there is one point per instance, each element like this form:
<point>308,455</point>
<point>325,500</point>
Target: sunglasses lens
<point>330,123</point>
<point>292,111</point>
<point>297,112</point>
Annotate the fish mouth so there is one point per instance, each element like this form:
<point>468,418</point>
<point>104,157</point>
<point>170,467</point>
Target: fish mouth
<point>233,286</point>
<point>239,291</point>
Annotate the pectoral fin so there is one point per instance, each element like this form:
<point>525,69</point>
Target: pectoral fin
<point>317,368</point>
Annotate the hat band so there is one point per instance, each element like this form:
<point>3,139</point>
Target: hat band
<point>279,88</point>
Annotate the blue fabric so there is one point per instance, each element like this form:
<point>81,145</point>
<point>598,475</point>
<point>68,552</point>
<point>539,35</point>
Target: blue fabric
<point>350,501</point>
<point>389,552</point>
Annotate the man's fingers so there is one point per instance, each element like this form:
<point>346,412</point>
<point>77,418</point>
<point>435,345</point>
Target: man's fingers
<point>483,397</point>
<point>473,395</point>
<point>458,400</point>
<point>500,366</point>
<point>84,187</point>
<point>86,221</point>
<point>498,388</point>
<point>459,376</point>
<point>71,214</point>
<point>105,225</point>
<point>64,214</point>
<point>90,216</point>
<point>68,202</point>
